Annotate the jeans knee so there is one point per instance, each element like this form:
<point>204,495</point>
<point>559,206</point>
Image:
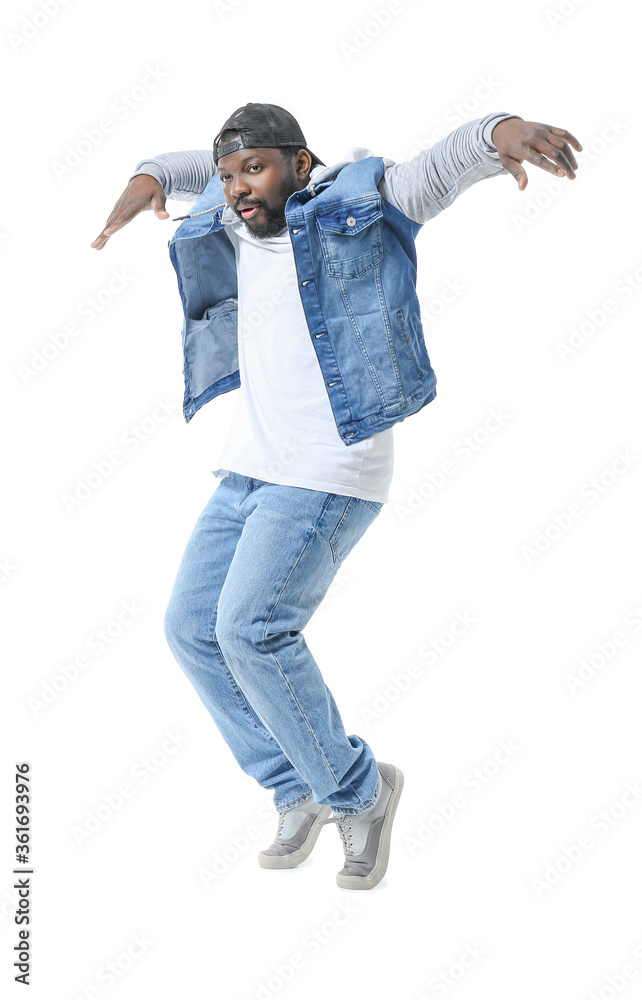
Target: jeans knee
<point>233,633</point>
<point>224,634</point>
<point>176,624</point>
<point>170,625</point>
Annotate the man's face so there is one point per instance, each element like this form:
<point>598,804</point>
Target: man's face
<point>257,183</point>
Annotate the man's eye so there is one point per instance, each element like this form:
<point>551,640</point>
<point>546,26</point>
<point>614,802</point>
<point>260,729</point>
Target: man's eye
<point>226,177</point>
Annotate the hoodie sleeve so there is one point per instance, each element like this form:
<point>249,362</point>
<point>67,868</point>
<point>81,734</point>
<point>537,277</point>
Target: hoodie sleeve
<point>182,176</point>
<point>424,186</point>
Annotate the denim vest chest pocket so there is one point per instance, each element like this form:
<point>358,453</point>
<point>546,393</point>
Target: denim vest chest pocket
<point>351,238</point>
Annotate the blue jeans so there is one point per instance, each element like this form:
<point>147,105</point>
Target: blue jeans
<point>259,562</point>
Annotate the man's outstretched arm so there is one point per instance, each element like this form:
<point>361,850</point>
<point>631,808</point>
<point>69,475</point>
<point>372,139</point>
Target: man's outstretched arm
<point>497,144</point>
<point>183,176</point>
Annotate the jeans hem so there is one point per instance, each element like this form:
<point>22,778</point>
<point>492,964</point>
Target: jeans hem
<point>356,812</point>
<point>294,802</point>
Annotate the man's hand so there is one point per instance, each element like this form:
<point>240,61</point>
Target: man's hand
<point>141,194</point>
<point>517,140</point>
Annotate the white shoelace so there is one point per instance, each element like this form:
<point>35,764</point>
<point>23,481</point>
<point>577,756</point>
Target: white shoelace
<point>343,822</point>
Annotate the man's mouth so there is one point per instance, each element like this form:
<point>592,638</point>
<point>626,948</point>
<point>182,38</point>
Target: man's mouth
<point>249,211</point>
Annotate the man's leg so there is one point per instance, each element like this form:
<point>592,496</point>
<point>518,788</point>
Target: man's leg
<point>291,547</point>
<point>190,623</point>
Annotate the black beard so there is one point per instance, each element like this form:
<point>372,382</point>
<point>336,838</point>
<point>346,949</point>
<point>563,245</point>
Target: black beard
<point>274,223</point>
<point>274,217</point>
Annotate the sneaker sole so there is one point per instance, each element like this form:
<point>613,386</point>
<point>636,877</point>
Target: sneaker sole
<point>381,864</point>
<point>280,861</point>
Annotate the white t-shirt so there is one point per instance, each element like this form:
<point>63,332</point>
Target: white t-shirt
<point>283,429</point>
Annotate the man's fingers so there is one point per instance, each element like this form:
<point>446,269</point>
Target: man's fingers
<point>118,220</point>
<point>554,143</point>
<point>515,168</point>
<point>562,159</point>
<point>110,226</point>
<point>565,148</point>
<point>113,225</point>
<point>521,178</point>
<point>564,134</point>
<point>121,218</point>
<point>141,194</point>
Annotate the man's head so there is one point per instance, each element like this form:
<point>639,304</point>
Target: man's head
<point>261,158</point>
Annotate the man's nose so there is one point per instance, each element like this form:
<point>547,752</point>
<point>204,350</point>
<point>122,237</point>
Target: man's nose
<point>239,187</point>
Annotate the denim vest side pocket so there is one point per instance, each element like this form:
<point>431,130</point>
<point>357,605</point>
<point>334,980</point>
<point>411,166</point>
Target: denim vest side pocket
<point>403,330</point>
<point>210,346</point>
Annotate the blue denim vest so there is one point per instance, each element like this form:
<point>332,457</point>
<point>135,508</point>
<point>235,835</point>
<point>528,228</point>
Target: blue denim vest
<point>356,265</point>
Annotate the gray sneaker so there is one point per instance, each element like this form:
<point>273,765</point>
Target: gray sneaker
<point>296,835</point>
<point>366,835</point>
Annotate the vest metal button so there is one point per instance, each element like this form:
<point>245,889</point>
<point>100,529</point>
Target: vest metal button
<point>351,221</point>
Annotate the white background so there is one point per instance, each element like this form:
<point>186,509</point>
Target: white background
<point>496,877</point>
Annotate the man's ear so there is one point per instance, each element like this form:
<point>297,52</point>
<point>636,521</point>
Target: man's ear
<point>303,163</point>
